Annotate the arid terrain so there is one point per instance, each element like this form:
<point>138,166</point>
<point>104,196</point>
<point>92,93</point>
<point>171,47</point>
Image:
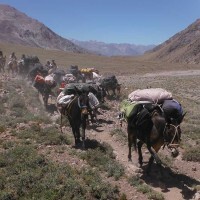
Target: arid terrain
<point>39,161</point>
<point>181,178</point>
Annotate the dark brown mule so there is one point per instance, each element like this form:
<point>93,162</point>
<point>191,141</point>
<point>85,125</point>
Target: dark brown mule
<point>77,113</point>
<point>155,132</point>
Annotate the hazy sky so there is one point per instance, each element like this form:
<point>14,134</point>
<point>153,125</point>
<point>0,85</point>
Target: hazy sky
<point>112,21</point>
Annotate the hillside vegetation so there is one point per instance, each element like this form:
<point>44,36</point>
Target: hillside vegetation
<point>33,142</point>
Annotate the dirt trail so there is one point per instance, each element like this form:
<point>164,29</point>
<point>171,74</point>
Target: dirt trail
<point>121,151</point>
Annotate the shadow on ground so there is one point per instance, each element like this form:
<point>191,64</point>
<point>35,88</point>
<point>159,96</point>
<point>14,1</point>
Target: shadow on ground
<point>170,179</point>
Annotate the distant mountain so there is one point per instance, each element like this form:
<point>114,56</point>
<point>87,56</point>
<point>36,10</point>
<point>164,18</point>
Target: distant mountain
<point>16,27</point>
<point>113,49</point>
<point>183,47</point>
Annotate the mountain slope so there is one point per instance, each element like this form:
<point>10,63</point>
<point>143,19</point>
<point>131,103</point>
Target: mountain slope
<point>113,49</point>
<point>16,27</point>
<point>183,47</point>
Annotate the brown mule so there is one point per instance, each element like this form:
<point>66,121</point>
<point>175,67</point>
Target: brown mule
<point>155,132</point>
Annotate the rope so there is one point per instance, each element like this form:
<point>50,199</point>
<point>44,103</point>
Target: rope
<point>175,134</point>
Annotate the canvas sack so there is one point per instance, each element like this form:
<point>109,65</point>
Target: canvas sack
<point>154,95</point>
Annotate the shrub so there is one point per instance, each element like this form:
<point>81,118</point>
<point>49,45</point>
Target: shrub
<point>192,154</point>
<point>145,189</point>
<point>98,188</point>
<point>2,128</point>
<point>47,136</point>
<point>104,162</point>
<point>24,174</point>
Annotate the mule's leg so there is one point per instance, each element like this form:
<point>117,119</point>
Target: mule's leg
<point>129,147</point>
<point>118,89</point>
<point>140,158</point>
<point>83,127</point>
<point>107,92</point>
<point>131,140</point>
<point>95,115</point>
<point>153,156</point>
<point>45,98</point>
<point>76,133</point>
<point>114,93</point>
<point>8,69</point>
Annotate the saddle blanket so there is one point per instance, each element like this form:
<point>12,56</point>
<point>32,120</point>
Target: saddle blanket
<point>63,101</point>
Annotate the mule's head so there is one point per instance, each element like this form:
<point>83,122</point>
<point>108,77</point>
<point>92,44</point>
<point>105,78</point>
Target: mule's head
<point>83,102</point>
<point>173,130</point>
<point>172,134</point>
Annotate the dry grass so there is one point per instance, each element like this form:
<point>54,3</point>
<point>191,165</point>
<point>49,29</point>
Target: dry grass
<point>120,65</point>
<point>184,88</point>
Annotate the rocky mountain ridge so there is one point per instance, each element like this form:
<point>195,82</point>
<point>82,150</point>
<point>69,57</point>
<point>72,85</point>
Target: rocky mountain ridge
<point>183,47</point>
<point>16,27</point>
<point>113,49</point>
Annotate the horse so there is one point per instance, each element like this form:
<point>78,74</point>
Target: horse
<point>77,114</point>
<point>2,63</point>
<point>152,129</point>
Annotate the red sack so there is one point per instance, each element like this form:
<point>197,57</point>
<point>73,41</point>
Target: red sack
<point>39,79</point>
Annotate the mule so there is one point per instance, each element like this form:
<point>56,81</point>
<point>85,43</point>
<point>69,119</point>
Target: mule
<point>26,64</point>
<point>154,131</point>
<point>47,91</point>
<point>110,83</point>
<point>98,91</point>
<point>116,89</point>
<point>77,114</point>
<point>13,67</point>
<point>2,63</point>
<point>38,68</point>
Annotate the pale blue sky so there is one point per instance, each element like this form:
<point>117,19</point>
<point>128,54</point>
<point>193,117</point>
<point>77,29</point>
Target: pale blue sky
<point>112,21</point>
